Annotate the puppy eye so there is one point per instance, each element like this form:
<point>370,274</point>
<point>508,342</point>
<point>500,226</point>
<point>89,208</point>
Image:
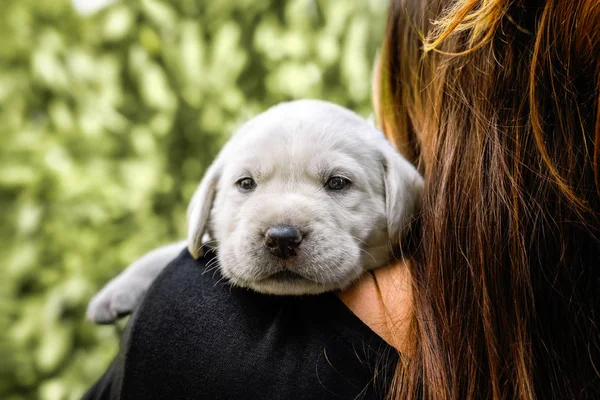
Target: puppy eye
<point>246,184</point>
<point>337,183</point>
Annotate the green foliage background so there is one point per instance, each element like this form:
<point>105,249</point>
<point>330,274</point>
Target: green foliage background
<point>107,123</point>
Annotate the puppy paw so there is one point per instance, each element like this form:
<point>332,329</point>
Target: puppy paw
<point>113,303</point>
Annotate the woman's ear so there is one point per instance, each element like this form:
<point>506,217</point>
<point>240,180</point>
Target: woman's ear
<point>403,188</point>
<point>199,208</point>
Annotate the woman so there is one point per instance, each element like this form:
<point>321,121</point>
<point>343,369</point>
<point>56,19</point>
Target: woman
<point>500,108</point>
<point>497,101</point>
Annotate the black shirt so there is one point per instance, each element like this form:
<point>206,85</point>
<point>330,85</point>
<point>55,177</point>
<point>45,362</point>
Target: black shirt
<point>196,337</point>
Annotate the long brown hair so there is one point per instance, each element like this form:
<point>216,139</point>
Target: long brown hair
<point>497,101</point>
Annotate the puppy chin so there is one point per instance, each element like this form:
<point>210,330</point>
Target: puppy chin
<point>297,285</point>
<point>290,289</point>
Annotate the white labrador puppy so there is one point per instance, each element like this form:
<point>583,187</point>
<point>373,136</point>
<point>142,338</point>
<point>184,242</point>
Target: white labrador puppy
<point>303,199</point>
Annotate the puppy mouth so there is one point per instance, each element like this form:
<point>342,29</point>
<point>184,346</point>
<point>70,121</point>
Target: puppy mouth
<point>287,281</point>
<point>285,277</point>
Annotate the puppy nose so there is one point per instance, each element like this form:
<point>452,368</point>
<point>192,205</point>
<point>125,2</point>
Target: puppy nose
<point>282,240</point>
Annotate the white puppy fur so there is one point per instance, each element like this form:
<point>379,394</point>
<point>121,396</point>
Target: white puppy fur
<point>310,165</point>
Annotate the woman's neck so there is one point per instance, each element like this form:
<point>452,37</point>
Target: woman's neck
<point>382,299</point>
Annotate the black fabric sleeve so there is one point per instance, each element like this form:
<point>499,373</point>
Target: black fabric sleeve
<point>196,337</point>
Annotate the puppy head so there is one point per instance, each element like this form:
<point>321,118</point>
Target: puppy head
<point>303,199</point>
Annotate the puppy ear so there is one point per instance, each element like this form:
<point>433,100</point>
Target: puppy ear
<point>199,209</point>
<point>403,188</point>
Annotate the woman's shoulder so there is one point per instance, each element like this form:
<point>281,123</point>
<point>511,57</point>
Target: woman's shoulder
<point>194,333</point>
